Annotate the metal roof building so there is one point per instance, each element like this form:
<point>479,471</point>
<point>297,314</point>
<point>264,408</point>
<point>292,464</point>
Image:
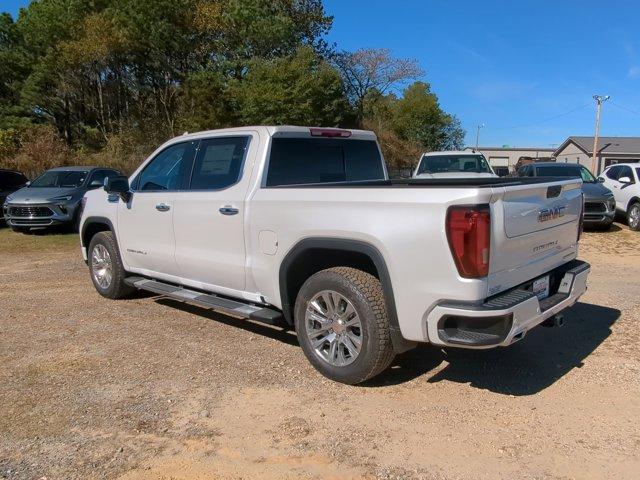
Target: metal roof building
<point>611,150</point>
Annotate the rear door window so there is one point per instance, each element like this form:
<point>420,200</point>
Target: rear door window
<point>300,161</point>
<point>219,163</point>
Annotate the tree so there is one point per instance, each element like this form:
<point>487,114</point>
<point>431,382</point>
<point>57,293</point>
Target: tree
<point>301,89</point>
<point>373,69</point>
<point>14,67</point>
<point>411,124</point>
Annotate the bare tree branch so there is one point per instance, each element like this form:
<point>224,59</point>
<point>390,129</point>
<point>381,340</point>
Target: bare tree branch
<point>368,69</point>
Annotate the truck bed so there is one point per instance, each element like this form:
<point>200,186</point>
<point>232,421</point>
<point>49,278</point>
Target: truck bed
<point>434,182</point>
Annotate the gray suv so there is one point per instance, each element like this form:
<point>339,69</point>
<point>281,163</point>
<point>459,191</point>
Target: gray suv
<point>54,198</point>
<point>599,204</point>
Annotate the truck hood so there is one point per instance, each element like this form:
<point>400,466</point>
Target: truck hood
<point>455,175</point>
<point>42,195</point>
<point>595,191</point>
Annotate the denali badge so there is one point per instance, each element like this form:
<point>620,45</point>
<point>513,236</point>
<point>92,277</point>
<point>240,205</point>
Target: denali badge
<point>547,214</point>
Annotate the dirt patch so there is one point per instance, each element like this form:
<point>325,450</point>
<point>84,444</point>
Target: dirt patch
<point>149,388</point>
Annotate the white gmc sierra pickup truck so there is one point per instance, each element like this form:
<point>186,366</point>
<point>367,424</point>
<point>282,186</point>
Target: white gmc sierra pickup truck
<point>302,227</point>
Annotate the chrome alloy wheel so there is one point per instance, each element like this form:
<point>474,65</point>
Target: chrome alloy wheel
<point>101,266</point>
<point>333,328</point>
<point>634,216</point>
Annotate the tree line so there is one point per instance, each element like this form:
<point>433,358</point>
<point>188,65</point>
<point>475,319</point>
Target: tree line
<point>107,80</point>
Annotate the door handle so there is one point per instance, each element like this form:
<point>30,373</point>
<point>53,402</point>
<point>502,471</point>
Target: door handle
<point>163,207</point>
<point>227,210</point>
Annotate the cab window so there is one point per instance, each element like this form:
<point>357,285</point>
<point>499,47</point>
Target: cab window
<point>168,171</point>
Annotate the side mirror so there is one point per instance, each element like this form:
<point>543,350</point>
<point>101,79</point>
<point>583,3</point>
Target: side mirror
<point>118,185</point>
<point>600,180</point>
<point>626,180</point>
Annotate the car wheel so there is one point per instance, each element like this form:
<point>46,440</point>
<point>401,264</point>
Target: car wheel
<point>633,216</point>
<point>342,324</point>
<point>105,266</point>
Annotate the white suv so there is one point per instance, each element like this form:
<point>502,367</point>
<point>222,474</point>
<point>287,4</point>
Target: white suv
<point>623,179</point>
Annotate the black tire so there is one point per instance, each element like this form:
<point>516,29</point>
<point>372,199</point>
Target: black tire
<point>364,291</point>
<point>634,220</point>
<point>116,288</point>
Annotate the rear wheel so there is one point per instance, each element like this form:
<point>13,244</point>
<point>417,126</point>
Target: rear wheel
<point>342,324</point>
<point>105,266</point>
<point>633,216</point>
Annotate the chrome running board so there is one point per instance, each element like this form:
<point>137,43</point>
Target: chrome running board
<point>206,300</point>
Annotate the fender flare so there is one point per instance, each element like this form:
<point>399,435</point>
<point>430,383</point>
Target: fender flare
<point>400,344</point>
<point>94,220</point>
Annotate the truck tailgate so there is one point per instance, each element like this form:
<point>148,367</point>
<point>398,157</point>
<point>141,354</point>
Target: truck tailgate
<point>534,230</point>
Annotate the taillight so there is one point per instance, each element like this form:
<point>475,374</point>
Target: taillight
<point>581,222</point>
<point>330,132</point>
<point>469,232</point>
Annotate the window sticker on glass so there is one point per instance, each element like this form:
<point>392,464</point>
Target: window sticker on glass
<point>218,159</point>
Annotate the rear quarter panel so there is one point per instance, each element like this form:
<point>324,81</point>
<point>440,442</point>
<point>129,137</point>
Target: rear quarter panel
<point>407,226</point>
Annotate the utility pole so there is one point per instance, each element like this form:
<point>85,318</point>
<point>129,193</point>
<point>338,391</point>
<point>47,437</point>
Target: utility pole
<point>599,101</point>
<point>478,135</point>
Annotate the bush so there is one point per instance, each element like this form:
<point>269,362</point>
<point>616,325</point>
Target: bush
<point>39,148</point>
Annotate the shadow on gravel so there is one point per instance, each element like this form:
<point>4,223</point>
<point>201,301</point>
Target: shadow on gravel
<point>542,357</point>
<point>276,333</point>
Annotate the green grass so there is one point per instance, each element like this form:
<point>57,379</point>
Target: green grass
<point>12,242</point>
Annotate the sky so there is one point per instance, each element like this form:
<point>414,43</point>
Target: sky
<point>526,69</point>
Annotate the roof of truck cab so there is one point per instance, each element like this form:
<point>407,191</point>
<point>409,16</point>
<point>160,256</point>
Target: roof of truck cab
<point>275,130</point>
<point>451,152</point>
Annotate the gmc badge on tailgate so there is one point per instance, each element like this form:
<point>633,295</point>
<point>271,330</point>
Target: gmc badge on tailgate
<point>547,214</point>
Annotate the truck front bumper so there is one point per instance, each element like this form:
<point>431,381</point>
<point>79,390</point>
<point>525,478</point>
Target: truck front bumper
<point>505,318</point>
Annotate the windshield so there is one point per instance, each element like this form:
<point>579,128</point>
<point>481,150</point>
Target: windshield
<point>453,163</point>
<point>573,171</point>
<point>60,178</point>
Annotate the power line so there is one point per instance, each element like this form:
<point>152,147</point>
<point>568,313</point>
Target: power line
<point>546,119</point>
<point>622,107</point>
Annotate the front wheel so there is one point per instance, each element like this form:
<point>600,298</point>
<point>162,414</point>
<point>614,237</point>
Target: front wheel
<point>633,216</point>
<point>105,266</point>
<point>342,324</point>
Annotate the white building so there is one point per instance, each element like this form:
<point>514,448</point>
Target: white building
<point>509,156</point>
<point>610,150</point>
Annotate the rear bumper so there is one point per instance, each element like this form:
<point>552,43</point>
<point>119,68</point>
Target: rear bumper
<point>505,318</point>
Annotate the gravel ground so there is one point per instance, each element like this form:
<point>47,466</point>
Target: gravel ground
<point>151,389</point>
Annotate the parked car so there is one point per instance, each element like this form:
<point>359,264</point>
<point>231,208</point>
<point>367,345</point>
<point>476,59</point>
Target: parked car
<point>453,164</point>
<point>54,198</point>
<point>599,202</point>
<point>10,181</point>
<point>301,226</point>
<point>624,181</point>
